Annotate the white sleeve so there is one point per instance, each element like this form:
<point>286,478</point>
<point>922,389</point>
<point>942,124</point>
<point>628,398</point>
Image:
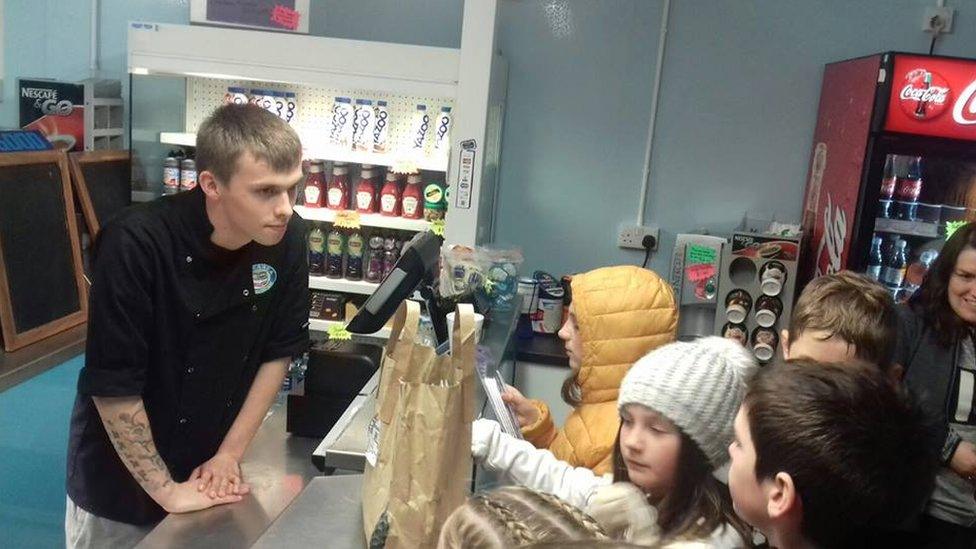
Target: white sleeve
<point>531,467</point>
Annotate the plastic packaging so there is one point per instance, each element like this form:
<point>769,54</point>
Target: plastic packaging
<point>188,174</point>
<point>502,275</point>
<point>171,175</point>
<point>442,130</point>
<point>413,200</point>
<point>418,129</point>
<point>340,130</point>
<point>435,201</point>
<point>363,123</point>
<point>381,127</point>
<point>463,271</point>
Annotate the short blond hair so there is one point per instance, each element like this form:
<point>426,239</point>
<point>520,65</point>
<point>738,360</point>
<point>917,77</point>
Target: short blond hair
<point>232,130</point>
<point>854,308</point>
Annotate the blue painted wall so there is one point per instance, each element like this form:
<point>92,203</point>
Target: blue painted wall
<point>738,103</point>
<point>34,420</point>
<point>50,39</point>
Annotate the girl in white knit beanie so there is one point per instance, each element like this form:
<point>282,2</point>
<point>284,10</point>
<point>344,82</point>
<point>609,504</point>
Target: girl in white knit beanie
<point>677,406</point>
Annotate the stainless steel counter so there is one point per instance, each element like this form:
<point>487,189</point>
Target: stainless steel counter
<point>329,513</point>
<point>277,466</point>
<point>345,445</point>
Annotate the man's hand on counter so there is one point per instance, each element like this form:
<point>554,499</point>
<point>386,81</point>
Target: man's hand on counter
<point>184,497</point>
<point>220,476</point>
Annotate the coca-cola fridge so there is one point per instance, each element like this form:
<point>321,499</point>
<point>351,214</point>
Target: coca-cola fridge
<point>893,166</point>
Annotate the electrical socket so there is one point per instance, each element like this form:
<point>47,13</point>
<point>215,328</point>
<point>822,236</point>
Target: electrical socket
<point>632,236</point>
<point>936,17</point>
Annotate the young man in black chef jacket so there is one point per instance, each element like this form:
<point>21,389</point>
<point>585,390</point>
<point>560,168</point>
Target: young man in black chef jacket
<point>198,303</point>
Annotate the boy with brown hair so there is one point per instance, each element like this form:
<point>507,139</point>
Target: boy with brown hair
<point>842,317</point>
<point>828,455</point>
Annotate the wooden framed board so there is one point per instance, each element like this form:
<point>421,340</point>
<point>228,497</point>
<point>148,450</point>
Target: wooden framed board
<point>102,182</point>
<point>42,291</point>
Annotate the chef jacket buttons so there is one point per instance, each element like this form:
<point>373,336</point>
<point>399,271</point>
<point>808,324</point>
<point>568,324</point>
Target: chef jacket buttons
<point>189,259</point>
<point>183,421</point>
<point>196,314</point>
<point>245,358</point>
<point>189,369</point>
<point>230,403</point>
<point>254,308</point>
<point>246,292</point>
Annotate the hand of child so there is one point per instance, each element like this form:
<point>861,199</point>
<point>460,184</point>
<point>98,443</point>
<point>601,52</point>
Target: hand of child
<point>525,411</point>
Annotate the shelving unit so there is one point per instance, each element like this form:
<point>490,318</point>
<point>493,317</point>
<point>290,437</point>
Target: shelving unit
<point>471,79</point>
<point>326,215</point>
<point>104,114</point>
<point>428,163</point>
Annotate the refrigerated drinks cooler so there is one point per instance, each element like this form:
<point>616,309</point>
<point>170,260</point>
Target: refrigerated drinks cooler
<point>893,166</point>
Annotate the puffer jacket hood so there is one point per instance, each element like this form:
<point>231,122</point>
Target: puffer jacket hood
<point>623,312</point>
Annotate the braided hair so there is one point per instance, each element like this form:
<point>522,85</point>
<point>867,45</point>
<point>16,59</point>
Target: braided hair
<point>515,516</point>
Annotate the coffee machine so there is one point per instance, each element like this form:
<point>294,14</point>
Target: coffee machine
<point>695,279</point>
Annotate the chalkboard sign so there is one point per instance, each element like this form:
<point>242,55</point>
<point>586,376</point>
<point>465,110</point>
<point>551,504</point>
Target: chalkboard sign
<point>41,288</point>
<point>102,181</point>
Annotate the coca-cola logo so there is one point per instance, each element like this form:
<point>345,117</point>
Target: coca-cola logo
<point>834,239</point>
<point>924,94</point>
<point>964,111</point>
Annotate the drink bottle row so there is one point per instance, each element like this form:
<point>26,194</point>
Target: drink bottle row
<point>900,192</point>
<point>891,263</point>
<point>353,254</point>
<point>391,195</point>
<point>903,197</point>
<point>179,172</point>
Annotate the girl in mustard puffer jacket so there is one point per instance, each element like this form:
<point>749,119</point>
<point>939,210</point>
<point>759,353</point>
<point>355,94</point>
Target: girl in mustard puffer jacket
<point>618,315</point>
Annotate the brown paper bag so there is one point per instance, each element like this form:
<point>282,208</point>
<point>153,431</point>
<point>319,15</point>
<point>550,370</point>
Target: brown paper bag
<point>422,469</point>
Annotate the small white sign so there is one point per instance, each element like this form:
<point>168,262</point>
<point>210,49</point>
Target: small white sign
<point>465,174</point>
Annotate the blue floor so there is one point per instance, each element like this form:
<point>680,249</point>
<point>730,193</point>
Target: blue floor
<point>33,443</point>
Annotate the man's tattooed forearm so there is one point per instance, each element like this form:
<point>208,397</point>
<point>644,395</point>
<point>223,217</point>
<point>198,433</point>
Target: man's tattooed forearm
<point>131,435</point>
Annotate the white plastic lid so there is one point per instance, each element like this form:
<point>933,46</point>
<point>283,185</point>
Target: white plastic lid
<point>366,174</point>
<point>771,286</point>
<point>340,170</point>
<point>735,313</point>
<point>315,167</point>
<point>390,176</point>
<point>413,178</point>
<point>765,318</point>
<point>763,351</point>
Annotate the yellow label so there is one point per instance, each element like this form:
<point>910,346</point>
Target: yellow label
<point>338,332</point>
<point>405,167</point>
<point>437,227</point>
<point>347,219</point>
